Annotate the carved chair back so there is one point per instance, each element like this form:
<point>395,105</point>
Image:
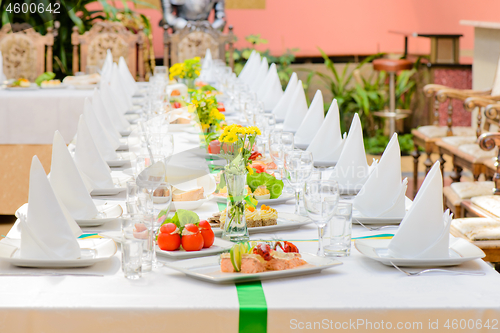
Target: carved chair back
<point>106,35</point>
<point>194,40</point>
<point>25,52</point>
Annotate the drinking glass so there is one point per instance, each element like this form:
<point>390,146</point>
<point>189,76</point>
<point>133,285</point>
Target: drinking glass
<point>299,167</point>
<point>279,143</point>
<point>138,229</point>
<point>340,231</point>
<point>266,123</point>
<point>161,72</point>
<point>320,199</point>
<point>132,197</point>
<point>162,199</point>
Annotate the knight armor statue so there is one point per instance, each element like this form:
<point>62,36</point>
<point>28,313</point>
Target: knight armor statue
<point>177,13</point>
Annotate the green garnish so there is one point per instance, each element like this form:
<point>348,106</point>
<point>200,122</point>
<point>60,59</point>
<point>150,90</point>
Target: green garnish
<point>275,186</point>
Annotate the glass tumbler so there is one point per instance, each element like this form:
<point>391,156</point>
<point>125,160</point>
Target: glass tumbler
<point>340,231</point>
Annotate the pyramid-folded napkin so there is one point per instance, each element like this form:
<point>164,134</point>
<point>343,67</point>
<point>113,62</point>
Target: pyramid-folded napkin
<point>108,99</point>
<point>105,144</point>
<point>425,229</point>
<point>103,116</point>
<point>352,170</point>
<point>327,144</point>
<point>297,109</point>
<point>312,121</point>
<point>89,161</point>
<point>47,232</point>
<point>383,194</point>
<point>127,76</point>
<point>206,73</point>
<point>124,101</point>
<point>271,91</point>
<point>260,75</point>
<point>251,66</point>
<point>281,108</point>
<point>107,66</point>
<point>67,182</point>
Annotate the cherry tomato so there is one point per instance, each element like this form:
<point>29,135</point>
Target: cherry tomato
<point>192,240</point>
<point>207,233</point>
<point>177,105</point>
<point>169,239</point>
<point>259,168</point>
<point>221,107</point>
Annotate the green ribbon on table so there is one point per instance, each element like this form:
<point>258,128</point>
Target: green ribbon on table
<point>253,307</point>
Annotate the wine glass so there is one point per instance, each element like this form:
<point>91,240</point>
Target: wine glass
<point>279,143</point>
<point>299,167</point>
<point>162,199</point>
<point>320,199</point>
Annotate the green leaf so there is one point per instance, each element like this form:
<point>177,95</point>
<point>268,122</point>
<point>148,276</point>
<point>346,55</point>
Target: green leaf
<point>275,186</point>
<point>44,77</point>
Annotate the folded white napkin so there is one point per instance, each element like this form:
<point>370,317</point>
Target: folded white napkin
<point>271,92</point>
<point>281,108</point>
<point>103,116</point>
<point>107,66</point>
<point>251,66</point>
<point>327,144</point>
<point>425,230</point>
<point>260,75</point>
<point>108,99</point>
<point>2,75</point>
<point>105,144</point>
<point>47,232</point>
<point>351,170</point>
<point>312,121</point>
<point>383,194</point>
<point>89,161</point>
<point>124,100</point>
<point>129,80</point>
<point>297,109</point>
<point>67,182</point>
<point>206,73</point>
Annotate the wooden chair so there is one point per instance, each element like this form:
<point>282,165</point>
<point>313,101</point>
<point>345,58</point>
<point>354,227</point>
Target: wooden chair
<point>106,35</point>
<point>25,52</point>
<point>194,40</point>
<point>426,136</point>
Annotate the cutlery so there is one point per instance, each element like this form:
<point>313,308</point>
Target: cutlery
<point>374,228</point>
<point>436,270</point>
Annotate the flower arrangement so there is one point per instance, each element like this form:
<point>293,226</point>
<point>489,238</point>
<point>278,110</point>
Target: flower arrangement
<point>239,142</point>
<point>206,108</point>
<point>189,69</point>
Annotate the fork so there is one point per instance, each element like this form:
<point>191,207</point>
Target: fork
<point>436,270</point>
<point>374,228</point>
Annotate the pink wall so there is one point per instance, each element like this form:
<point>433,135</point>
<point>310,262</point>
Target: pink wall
<point>345,27</point>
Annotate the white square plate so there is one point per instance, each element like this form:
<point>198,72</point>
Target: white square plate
<point>208,269</point>
<point>111,213</point>
<point>219,246</point>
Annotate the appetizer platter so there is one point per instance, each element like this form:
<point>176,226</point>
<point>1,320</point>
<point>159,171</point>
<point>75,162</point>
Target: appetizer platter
<point>253,262</point>
<point>21,84</point>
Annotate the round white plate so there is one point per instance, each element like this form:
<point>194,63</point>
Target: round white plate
<point>125,133</point>
<point>188,205</point>
<point>324,163</point>
<point>94,250</point>
<point>178,127</point>
<point>286,221</point>
<point>217,247</point>
<point>268,202</point>
<point>60,86</point>
<point>460,251</point>
<point>85,86</point>
<point>33,86</point>
<point>111,213</point>
<point>301,145</point>
<point>107,191</point>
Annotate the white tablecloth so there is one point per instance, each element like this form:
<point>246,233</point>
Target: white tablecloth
<point>32,116</point>
<point>355,296</point>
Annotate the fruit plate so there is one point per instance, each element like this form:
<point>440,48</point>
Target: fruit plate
<point>219,246</point>
<point>282,199</point>
<point>109,213</point>
<point>208,269</point>
<point>93,250</point>
<point>460,251</point>
<point>286,221</point>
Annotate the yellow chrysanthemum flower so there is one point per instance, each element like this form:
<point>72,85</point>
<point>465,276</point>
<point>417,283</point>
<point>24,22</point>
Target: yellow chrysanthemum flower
<point>250,170</point>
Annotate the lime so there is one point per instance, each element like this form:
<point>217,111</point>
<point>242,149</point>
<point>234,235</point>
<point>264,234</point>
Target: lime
<point>236,257</point>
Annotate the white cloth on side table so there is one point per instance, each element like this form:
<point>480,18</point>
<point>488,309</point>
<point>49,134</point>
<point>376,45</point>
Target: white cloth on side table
<point>67,182</point>
<point>281,108</point>
<point>312,121</point>
<point>127,76</point>
<point>297,109</point>
<point>425,229</point>
<point>270,92</point>
<point>327,143</point>
<point>2,75</point>
<point>106,147</point>
<point>352,170</point>
<point>108,99</point>
<point>260,75</point>
<point>383,194</point>
<point>47,232</point>
<point>93,168</point>
<point>103,116</point>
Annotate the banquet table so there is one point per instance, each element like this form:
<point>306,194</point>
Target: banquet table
<point>359,295</point>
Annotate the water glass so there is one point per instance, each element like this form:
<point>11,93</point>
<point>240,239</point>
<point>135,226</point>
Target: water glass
<point>340,231</point>
<point>132,197</point>
<point>279,143</point>
<point>137,232</point>
<point>321,198</point>
<point>299,166</point>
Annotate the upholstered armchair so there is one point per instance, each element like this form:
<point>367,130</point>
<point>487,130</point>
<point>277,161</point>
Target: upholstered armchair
<point>26,53</point>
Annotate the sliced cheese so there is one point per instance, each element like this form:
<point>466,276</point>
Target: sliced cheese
<point>192,195</point>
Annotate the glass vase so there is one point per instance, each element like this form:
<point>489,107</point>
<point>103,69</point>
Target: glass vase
<point>235,227</point>
<point>188,82</point>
